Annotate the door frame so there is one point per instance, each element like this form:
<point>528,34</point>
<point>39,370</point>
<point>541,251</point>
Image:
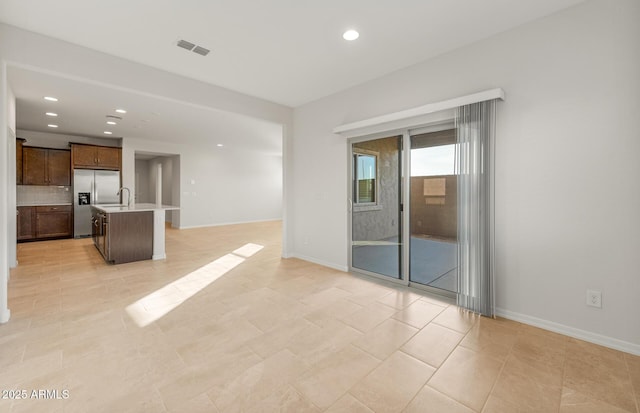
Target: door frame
<point>405,190</point>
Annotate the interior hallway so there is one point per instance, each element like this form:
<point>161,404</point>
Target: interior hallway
<point>265,334</point>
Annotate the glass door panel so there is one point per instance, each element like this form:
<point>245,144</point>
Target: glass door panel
<point>376,245</point>
<point>433,247</point>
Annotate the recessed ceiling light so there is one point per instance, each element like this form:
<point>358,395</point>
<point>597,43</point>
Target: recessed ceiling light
<point>121,111</point>
<point>350,35</point>
<point>107,132</point>
<point>52,125</point>
<point>219,144</point>
<point>50,99</point>
<point>53,115</point>
<point>110,122</point>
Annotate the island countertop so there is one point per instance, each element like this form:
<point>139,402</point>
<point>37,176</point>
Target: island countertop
<point>135,207</point>
<point>124,220</point>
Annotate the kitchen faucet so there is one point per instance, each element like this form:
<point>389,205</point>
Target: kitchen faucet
<point>128,195</point>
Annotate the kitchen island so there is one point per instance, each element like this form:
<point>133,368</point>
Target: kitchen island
<point>130,233</point>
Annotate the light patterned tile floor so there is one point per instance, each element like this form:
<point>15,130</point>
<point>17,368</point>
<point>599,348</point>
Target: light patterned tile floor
<point>225,325</point>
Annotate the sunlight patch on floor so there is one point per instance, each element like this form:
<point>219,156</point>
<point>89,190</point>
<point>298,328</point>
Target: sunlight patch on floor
<point>160,302</point>
<point>248,250</point>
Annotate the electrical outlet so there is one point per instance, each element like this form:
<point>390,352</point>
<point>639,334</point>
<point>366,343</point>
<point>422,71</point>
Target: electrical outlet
<point>594,298</point>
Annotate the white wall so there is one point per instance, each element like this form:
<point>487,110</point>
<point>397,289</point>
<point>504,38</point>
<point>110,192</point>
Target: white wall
<point>153,178</point>
<point>11,110</point>
<point>12,241</point>
<point>142,186</point>
<point>167,181</point>
<point>175,192</point>
<point>5,209</point>
<point>230,185</point>
<point>167,185</point>
<point>167,178</point>
<point>567,188</point>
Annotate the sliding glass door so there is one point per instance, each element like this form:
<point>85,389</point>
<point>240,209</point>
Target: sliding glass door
<point>447,219</point>
<point>376,222</point>
<point>433,209</point>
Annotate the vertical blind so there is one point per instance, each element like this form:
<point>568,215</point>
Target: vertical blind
<point>475,127</point>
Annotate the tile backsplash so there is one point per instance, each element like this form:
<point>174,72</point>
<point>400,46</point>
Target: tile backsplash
<point>43,195</point>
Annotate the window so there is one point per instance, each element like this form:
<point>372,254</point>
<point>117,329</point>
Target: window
<point>433,160</point>
<point>365,175</point>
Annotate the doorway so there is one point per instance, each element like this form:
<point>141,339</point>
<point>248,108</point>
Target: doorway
<point>157,180</point>
<point>404,193</point>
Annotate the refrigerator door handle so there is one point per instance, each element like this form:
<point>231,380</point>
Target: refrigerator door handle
<point>95,190</point>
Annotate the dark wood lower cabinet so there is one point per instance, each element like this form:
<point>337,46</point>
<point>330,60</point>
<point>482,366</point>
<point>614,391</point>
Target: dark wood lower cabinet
<point>53,221</point>
<point>26,231</point>
<point>44,222</point>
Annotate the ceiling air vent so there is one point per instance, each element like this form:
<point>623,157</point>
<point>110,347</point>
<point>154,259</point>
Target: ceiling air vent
<point>186,45</point>
<point>193,47</point>
<point>201,50</point>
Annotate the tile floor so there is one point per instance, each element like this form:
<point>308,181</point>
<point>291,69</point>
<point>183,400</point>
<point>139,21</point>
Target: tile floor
<point>225,325</point>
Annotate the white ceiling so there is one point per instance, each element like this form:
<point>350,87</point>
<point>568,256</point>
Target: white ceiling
<point>82,109</point>
<point>285,51</point>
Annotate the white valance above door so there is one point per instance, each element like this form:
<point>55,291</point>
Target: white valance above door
<point>430,113</point>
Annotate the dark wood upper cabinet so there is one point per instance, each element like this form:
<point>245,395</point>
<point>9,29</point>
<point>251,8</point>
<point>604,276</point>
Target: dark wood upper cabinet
<point>84,156</point>
<point>109,157</point>
<point>35,166</point>
<point>59,167</point>
<point>19,143</point>
<point>96,157</point>
<point>41,166</point>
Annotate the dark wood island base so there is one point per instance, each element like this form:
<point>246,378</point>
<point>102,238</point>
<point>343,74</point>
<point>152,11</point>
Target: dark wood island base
<point>130,237</point>
<point>124,237</point>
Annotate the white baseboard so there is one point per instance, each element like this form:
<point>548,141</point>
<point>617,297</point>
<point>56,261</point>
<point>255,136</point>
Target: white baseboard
<point>5,316</point>
<point>319,262</point>
<point>595,338</point>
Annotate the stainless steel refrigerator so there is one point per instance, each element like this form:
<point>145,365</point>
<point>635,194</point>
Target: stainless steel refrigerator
<point>92,187</point>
